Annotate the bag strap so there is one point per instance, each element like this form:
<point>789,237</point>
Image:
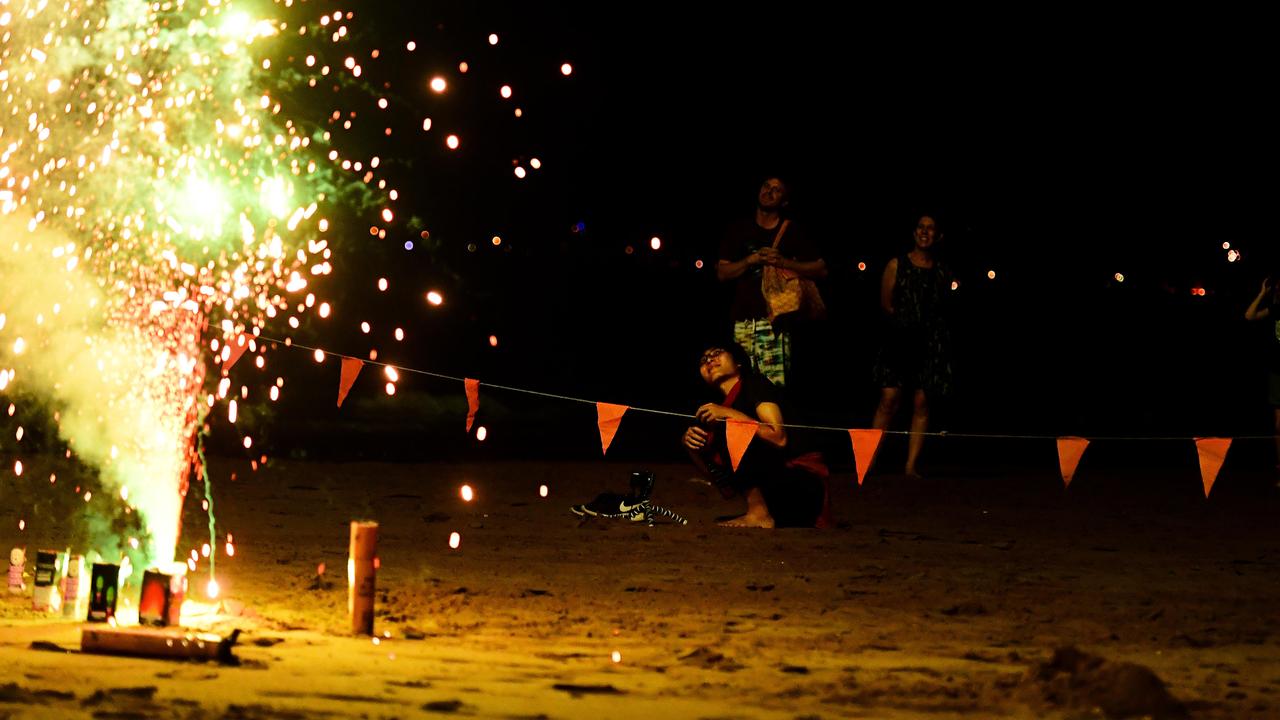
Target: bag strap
<point>777,240</point>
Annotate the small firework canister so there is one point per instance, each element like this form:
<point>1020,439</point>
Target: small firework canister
<point>73,587</point>
<point>361,575</point>
<point>48,573</point>
<point>160,602</point>
<point>103,588</point>
<point>17,564</point>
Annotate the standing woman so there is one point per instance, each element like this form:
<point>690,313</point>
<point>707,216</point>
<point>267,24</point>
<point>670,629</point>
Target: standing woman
<point>916,355</point>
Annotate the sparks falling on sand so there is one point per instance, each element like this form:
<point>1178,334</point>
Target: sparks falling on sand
<point>157,202</point>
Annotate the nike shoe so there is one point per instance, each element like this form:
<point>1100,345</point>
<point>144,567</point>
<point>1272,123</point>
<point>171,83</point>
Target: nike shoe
<point>613,506</point>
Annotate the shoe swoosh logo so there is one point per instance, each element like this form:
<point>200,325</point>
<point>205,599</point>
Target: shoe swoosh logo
<point>628,508</point>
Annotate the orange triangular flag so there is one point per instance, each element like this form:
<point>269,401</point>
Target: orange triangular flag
<point>866,443</point>
<point>232,351</point>
<point>609,417</point>
<point>350,370</point>
<point>1212,452</point>
<point>738,435</point>
<point>473,400</point>
<point>1070,449</point>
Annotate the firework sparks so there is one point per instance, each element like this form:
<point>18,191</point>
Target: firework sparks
<point>156,201</point>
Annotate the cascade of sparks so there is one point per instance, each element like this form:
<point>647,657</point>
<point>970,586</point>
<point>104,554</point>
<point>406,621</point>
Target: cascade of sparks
<point>157,202</point>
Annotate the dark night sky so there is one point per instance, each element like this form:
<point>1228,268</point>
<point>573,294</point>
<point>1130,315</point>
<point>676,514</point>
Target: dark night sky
<point>1059,148</point>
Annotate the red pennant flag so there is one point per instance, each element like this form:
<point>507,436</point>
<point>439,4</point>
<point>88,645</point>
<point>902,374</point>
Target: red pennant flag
<point>232,351</point>
<point>1070,449</point>
<point>350,370</point>
<point>738,435</point>
<point>473,400</point>
<point>866,443</point>
<point>1212,452</point>
<point>609,416</point>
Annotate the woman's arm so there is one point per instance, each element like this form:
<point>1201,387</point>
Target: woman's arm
<point>771,430</point>
<point>887,282</point>
<point>1255,310</point>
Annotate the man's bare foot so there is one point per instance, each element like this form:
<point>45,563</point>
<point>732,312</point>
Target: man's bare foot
<point>750,520</point>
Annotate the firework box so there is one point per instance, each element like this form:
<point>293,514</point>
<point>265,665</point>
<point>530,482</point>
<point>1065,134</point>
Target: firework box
<point>104,589</point>
<point>17,564</point>
<point>73,586</point>
<point>160,602</point>
<point>49,568</point>
<point>168,643</point>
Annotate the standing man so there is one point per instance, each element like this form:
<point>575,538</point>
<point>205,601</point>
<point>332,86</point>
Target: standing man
<point>747,247</point>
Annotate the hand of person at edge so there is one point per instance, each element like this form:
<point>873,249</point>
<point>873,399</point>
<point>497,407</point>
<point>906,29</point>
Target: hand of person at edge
<point>1266,286</point>
<point>695,438</point>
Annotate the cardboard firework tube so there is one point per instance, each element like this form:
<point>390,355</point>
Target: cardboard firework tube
<point>157,643</point>
<point>361,578</point>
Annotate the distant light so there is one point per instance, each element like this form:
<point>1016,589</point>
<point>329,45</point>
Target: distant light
<point>212,589</point>
<point>387,216</point>
<point>399,333</point>
<point>452,142</point>
<point>862,266</point>
<point>455,540</point>
<point>535,163</point>
<point>463,67</point>
<point>391,388</point>
<point>382,284</point>
<point>697,264</point>
<point>496,241</point>
<point>520,172</point>
<point>1119,277</point>
<point>392,374</point>
<point>955,285</point>
<point>318,355</point>
<point>493,341</point>
<point>408,244</point>
<point>1226,246</point>
<point>991,274</point>
<point>1233,255</point>
<point>566,69</point>
<point>481,433</point>
<point>655,243</point>
<point>467,493</point>
<point>434,298</point>
<point>616,656</point>
<point>542,491</point>
<point>493,38</point>
<point>438,84</point>
<point>628,250</point>
<point>364,328</point>
<point>505,91</point>
<point>426,124</point>
<point>519,112</point>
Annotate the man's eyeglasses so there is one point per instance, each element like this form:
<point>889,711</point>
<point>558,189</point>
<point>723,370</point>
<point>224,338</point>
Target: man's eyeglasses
<point>710,355</point>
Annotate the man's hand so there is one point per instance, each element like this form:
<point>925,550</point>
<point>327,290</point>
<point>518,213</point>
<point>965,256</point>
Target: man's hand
<point>695,438</point>
<point>711,412</point>
<point>770,256</point>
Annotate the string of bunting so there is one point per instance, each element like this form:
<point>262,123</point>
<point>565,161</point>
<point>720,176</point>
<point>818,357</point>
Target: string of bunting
<point>1211,451</point>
